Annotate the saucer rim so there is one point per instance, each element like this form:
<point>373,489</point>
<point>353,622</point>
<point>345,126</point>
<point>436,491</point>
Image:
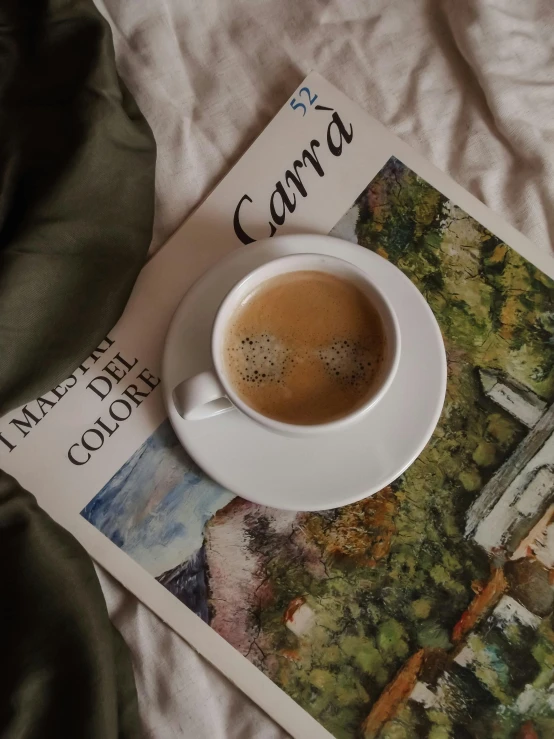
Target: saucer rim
<point>296,244</point>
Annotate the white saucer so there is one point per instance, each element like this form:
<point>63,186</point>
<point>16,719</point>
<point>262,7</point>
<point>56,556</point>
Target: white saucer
<point>315,473</point>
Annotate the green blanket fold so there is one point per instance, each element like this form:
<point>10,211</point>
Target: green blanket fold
<point>77,191</point>
<point>76,210</point>
<point>65,670</point>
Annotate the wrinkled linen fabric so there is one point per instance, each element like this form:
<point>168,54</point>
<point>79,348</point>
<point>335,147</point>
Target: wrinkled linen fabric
<point>468,84</point>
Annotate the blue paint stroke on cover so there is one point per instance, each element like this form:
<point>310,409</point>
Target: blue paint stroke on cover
<point>155,509</point>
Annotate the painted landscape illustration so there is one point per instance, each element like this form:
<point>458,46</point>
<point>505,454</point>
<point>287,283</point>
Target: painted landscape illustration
<point>427,609</point>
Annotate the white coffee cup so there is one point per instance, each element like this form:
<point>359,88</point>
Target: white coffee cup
<point>211,392</point>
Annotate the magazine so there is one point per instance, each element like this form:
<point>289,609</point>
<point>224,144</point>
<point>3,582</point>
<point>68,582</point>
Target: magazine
<point>425,609</point>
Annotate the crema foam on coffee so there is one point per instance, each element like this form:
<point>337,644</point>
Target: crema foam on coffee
<point>305,348</point>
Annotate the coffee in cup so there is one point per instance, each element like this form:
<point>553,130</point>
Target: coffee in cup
<point>305,344</point>
<point>304,348</point>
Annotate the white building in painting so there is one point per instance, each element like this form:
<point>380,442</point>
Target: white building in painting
<point>513,515</point>
<point>515,507</point>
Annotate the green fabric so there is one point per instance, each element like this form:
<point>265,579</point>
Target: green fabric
<point>76,210</point>
<point>77,199</point>
<point>65,671</point>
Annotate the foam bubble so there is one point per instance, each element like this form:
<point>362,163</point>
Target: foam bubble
<point>349,362</point>
<point>258,359</point>
<point>263,359</point>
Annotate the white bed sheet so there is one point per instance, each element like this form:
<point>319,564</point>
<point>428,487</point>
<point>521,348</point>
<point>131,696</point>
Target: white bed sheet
<point>469,83</point>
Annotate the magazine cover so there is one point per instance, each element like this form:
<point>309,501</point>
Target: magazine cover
<point>424,610</point>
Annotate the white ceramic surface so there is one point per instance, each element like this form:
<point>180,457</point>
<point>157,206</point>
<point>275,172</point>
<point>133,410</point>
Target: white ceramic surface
<point>319,472</point>
<point>204,395</point>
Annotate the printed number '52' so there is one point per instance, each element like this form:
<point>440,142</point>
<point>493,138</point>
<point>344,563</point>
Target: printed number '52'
<point>311,99</point>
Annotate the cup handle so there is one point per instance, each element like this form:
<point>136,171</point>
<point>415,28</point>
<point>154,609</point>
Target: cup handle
<point>201,396</point>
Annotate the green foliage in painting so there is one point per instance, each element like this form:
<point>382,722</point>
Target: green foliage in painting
<point>393,574</point>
